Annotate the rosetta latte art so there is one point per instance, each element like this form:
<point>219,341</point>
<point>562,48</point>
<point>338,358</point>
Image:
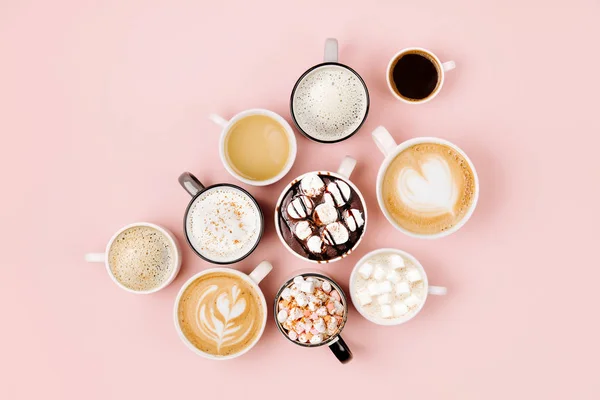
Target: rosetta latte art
<point>221,314</point>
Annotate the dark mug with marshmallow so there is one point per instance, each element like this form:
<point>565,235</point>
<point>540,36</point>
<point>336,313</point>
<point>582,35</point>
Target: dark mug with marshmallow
<point>311,310</point>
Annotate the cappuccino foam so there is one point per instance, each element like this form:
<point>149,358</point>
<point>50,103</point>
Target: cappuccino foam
<point>330,103</point>
<point>428,188</point>
<point>141,258</point>
<point>224,224</point>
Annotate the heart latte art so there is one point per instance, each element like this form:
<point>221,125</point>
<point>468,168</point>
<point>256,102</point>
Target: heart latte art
<point>428,188</point>
<point>221,314</point>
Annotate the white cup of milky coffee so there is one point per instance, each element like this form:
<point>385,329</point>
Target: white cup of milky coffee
<point>141,258</point>
<point>330,101</point>
<point>390,287</point>
<point>257,146</point>
<point>426,187</point>
<point>221,313</point>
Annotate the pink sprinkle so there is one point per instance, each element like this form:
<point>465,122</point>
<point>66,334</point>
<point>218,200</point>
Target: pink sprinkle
<point>307,313</point>
<point>330,306</point>
<point>335,295</point>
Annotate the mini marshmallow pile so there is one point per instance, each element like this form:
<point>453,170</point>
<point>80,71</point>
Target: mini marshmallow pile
<point>310,310</point>
<point>335,194</point>
<point>386,287</point>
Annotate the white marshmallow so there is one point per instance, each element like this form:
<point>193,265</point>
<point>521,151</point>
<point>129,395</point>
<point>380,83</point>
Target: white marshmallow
<point>295,313</point>
<point>307,287</point>
<point>286,294</point>
<point>412,300</point>
<point>385,298</point>
<point>365,270</point>
<point>320,325</point>
<point>373,288</point>
<point>413,275</point>
<point>400,309</point>
<point>321,311</point>
<point>393,276</point>
<point>312,306</point>
<point>326,286</point>
<point>402,288</point>
<point>325,214</point>
<point>303,338</point>
<point>316,339</point>
<point>386,311</point>
<point>312,185</point>
<point>364,297</point>
<point>298,280</point>
<point>385,287</point>
<point>301,299</point>
<point>340,192</point>
<point>335,234</point>
<point>292,335</point>
<point>300,207</point>
<point>354,219</point>
<point>282,316</point>
<point>379,273</point>
<point>315,244</point>
<point>303,230</point>
<point>396,261</point>
<point>338,308</point>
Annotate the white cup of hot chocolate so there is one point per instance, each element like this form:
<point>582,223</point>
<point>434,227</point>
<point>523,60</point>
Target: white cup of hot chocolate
<point>427,187</point>
<point>321,216</point>
<point>390,287</point>
<point>221,313</point>
<point>141,258</point>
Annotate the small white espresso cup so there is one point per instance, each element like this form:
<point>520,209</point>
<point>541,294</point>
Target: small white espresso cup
<point>226,126</point>
<point>428,289</point>
<point>390,149</point>
<point>441,67</point>
<point>253,279</point>
<point>103,257</point>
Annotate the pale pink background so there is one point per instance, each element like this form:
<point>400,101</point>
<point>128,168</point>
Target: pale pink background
<point>103,104</point>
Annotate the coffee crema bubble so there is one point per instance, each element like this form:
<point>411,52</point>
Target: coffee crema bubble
<point>330,103</point>
<point>321,217</point>
<point>223,224</point>
<point>221,314</point>
<point>428,188</point>
<point>141,258</point>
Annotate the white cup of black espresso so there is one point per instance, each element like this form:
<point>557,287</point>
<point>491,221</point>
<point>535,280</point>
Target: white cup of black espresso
<point>416,75</point>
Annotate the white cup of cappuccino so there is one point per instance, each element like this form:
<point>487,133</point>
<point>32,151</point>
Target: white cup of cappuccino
<point>221,313</point>
<point>427,187</point>
<point>141,258</point>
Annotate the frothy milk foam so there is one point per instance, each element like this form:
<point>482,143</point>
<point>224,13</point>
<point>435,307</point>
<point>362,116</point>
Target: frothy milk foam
<point>223,224</point>
<point>330,103</point>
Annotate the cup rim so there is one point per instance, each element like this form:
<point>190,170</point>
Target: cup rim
<point>386,163</point>
<point>278,207</point>
<point>373,253</point>
<point>439,66</point>
<point>258,239</point>
<point>290,135</point>
<point>165,232</point>
<point>197,275</point>
<point>314,67</point>
<point>321,275</point>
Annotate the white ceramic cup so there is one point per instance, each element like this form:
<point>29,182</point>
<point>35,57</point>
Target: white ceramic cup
<point>253,279</point>
<point>344,171</point>
<point>226,126</point>
<point>103,257</point>
<point>441,67</point>
<point>435,290</point>
<point>387,145</point>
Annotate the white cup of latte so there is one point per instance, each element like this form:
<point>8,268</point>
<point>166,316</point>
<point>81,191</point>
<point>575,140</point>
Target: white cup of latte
<point>221,313</point>
<point>426,187</point>
<point>141,258</point>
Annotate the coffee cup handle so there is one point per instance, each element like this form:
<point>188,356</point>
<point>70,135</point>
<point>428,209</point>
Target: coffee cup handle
<point>190,183</point>
<point>341,350</point>
<point>448,66</point>
<point>384,141</point>
<point>261,270</point>
<point>95,257</point>
<point>437,290</point>
<point>217,119</point>
<point>331,50</point>
<point>346,167</point>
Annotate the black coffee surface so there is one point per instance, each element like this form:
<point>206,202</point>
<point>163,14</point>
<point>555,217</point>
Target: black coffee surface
<point>415,76</point>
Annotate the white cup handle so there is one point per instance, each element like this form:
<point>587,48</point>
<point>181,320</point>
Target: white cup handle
<point>95,257</point>
<point>331,50</point>
<point>437,290</point>
<point>448,65</point>
<point>346,167</point>
<point>217,119</point>
<point>261,271</point>
<point>384,141</point>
